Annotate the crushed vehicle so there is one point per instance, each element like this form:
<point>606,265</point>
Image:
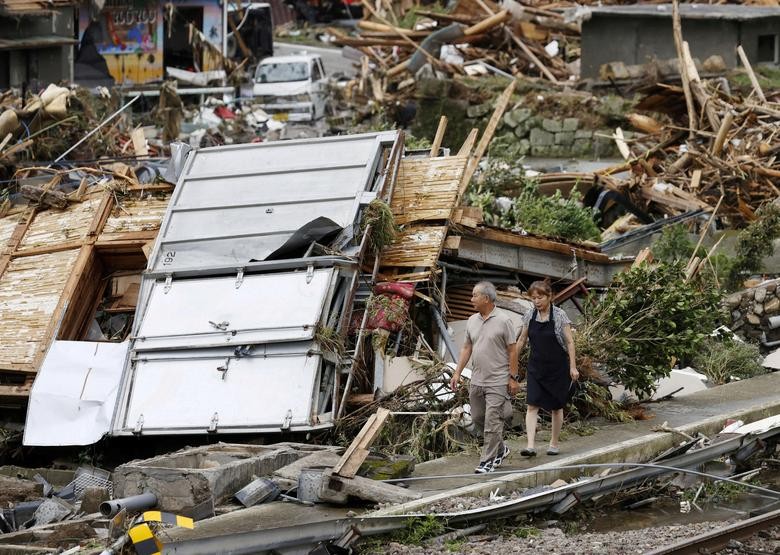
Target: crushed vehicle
<point>292,88</point>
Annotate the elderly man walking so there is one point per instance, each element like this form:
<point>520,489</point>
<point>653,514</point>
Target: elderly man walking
<point>490,343</point>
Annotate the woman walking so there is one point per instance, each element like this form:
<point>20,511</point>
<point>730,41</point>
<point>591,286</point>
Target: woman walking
<point>551,364</point>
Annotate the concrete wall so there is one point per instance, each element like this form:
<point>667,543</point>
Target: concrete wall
<point>37,66</point>
<point>640,39</point>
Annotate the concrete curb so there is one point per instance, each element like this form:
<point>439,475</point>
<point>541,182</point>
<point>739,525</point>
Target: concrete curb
<point>639,449</point>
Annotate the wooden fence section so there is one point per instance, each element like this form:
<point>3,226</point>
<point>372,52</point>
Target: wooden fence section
<point>52,270</point>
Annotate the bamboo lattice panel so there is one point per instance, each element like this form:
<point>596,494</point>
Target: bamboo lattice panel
<point>415,246</point>
<point>426,189</point>
<point>133,214</point>
<point>29,292</point>
<point>52,227</point>
<point>7,226</point>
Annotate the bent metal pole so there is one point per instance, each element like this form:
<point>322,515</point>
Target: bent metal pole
<point>88,135</point>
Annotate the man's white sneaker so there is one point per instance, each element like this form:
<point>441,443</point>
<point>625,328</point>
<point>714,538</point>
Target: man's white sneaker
<point>501,457</point>
<point>484,467</point>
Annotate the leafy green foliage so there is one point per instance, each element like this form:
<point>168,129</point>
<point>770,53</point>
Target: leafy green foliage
<point>649,316</point>
<point>754,243</point>
<point>674,244</point>
<point>526,532</point>
<point>419,529</point>
<point>554,215</point>
<point>413,143</point>
<point>722,359</point>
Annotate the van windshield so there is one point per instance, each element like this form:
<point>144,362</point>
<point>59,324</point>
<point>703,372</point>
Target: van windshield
<point>282,72</point>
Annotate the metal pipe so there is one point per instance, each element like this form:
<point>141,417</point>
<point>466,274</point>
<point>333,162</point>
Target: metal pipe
<point>135,503</point>
<point>445,334</point>
<point>88,135</point>
<point>662,467</point>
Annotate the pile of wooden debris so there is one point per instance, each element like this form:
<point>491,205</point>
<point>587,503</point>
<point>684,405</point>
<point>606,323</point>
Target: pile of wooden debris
<point>476,38</point>
<point>720,153</point>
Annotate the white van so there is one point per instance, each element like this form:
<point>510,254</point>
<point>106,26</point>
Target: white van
<point>291,88</point>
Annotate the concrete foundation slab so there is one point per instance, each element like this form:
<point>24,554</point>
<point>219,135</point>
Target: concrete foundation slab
<point>188,478</point>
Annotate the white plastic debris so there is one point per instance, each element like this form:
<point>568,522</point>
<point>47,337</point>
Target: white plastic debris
<point>661,187</point>
<point>451,55</point>
<point>685,507</point>
<point>552,48</point>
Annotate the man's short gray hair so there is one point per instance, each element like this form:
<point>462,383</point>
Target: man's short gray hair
<point>487,289</point>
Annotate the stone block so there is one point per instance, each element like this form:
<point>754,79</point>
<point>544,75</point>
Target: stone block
<point>520,115</point>
<point>479,110</point>
<point>564,138</point>
<point>714,64</point>
<point>758,309</point>
<point>753,320</point>
<point>771,287</point>
<point>733,300</point>
<point>583,134</point>
<point>93,497</point>
<point>521,131</point>
<point>552,125</point>
<point>736,315</point>
<point>433,88</point>
<point>523,147</point>
<point>571,124</point>
<point>582,147</point>
<point>540,137</point>
<point>188,478</point>
<point>759,295</point>
<point>612,106</point>
<point>542,151</point>
<point>509,120</point>
<point>772,306</point>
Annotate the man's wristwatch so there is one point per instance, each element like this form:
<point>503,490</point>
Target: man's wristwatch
<point>515,377</point>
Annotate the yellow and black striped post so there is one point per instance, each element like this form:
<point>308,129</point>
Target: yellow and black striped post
<point>144,541</point>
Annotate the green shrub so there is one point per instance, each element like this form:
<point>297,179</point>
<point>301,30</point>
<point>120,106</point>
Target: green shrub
<point>754,243</point>
<point>722,359</point>
<point>553,216</point>
<point>650,316</point>
<point>674,244</point>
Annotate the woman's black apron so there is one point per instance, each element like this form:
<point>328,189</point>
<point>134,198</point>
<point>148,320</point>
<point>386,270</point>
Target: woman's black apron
<point>548,377</point>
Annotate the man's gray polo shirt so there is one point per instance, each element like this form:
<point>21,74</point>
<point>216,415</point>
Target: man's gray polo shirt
<point>489,338</point>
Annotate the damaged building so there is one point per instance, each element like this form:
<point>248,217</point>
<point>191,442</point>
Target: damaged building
<point>247,306</point>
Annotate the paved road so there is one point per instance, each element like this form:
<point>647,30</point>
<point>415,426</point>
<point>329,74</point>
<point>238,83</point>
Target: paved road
<point>331,56</point>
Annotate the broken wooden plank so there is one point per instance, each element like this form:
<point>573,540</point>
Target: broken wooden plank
<point>334,487</point>
<point>720,139</point>
<point>501,103</point>
<point>38,194</point>
<point>751,73</point>
<point>437,139</point>
<point>357,451</point>
<point>686,84</point>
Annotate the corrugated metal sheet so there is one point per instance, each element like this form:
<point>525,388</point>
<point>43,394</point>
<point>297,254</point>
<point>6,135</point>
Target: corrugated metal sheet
<point>216,350</point>
<point>187,392</point>
<point>216,312</point>
<point>240,203</point>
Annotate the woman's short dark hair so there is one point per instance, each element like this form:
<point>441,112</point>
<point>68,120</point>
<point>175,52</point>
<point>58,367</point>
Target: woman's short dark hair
<point>541,287</point>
